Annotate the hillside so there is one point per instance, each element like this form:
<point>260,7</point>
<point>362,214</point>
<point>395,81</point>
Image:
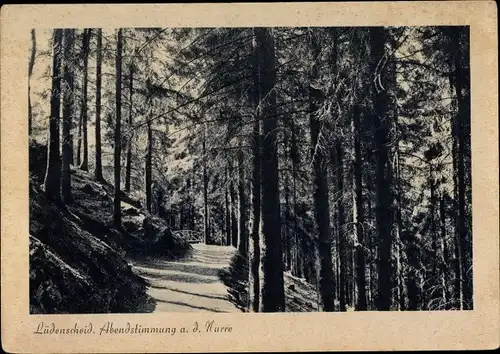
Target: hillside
<point>300,296</point>
<point>79,262</point>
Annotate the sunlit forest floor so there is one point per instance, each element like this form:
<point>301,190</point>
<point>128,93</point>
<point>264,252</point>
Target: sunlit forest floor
<point>190,284</point>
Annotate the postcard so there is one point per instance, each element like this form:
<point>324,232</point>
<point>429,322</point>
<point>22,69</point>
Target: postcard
<point>249,177</point>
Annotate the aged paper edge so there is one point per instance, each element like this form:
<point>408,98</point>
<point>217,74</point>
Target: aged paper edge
<point>477,329</point>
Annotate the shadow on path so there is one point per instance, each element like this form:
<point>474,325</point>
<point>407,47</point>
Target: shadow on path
<point>193,268</point>
<point>191,306</point>
<point>190,284</point>
<point>174,275</point>
<point>216,297</point>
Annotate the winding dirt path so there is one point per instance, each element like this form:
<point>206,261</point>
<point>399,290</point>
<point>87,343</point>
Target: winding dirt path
<point>190,284</point>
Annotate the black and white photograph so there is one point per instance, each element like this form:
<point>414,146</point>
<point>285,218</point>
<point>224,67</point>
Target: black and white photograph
<point>252,169</point>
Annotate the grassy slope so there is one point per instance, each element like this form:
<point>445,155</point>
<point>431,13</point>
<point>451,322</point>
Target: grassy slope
<point>78,259</point>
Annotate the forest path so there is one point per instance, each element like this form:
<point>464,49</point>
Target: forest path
<point>190,284</point>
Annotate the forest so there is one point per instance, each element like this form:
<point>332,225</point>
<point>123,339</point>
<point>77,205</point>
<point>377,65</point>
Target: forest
<point>339,156</point>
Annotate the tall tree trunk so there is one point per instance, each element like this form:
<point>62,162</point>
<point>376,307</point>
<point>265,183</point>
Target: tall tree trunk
<point>383,179</point>
<point>372,254</point>
<point>243,233</point>
<point>148,172</point>
<point>341,220</point>
<point>224,220</point>
<point>287,242</point>
<point>117,202</point>
<point>461,116</point>
<point>234,218</point>
<point>457,264</point>
<point>98,154</point>
<point>256,213</point>
<point>294,154</point>
<point>128,166</point>
<point>400,270</point>
<point>79,140</point>
<point>228,212</point>
<point>288,245</point>
<point>320,187</point>
<point>433,231</point>
<point>190,186</point>
<point>273,295</point>
<point>52,180</point>
<point>445,254</point>
<point>69,36</point>
<point>360,247</point>
<point>86,48</point>
<point>206,231</point>
<point>30,74</point>
<point>335,253</point>
<point>256,192</point>
<point>394,251</point>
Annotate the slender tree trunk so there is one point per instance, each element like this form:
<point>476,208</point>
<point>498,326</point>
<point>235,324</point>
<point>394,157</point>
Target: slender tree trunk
<point>86,48</point>
<point>98,154</point>
<point>335,253</point>
<point>383,179</point>
<point>371,243</point>
<point>79,141</point>
<point>148,172</point>
<point>234,219</point>
<point>360,247</point>
<point>273,295</point>
<point>30,74</point>
<point>228,212</point>
<point>287,235</point>
<point>433,231</point>
<point>320,188</point>
<point>30,110</point>
<point>71,140</point>
<point>52,180</point>
<point>445,254</point>
<point>294,154</point>
<point>117,202</point>
<point>256,214</point>
<point>461,117</point>
<point>206,231</point>
<point>400,270</point>
<point>457,264</point>
<point>69,36</point>
<point>128,168</point>
<point>352,277</point>
<point>342,244</point>
<point>256,173</point>
<point>243,233</point>
<point>191,206</point>
<point>394,251</point>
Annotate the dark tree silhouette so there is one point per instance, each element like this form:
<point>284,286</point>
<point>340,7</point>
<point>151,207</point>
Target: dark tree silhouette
<point>272,264</point>
<point>68,113</point>
<point>30,74</point>
<point>98,151</point>
<point>117,213</point>
<point>53,172</point>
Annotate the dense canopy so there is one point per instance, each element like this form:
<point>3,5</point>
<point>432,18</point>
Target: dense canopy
<point>336,155</point>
